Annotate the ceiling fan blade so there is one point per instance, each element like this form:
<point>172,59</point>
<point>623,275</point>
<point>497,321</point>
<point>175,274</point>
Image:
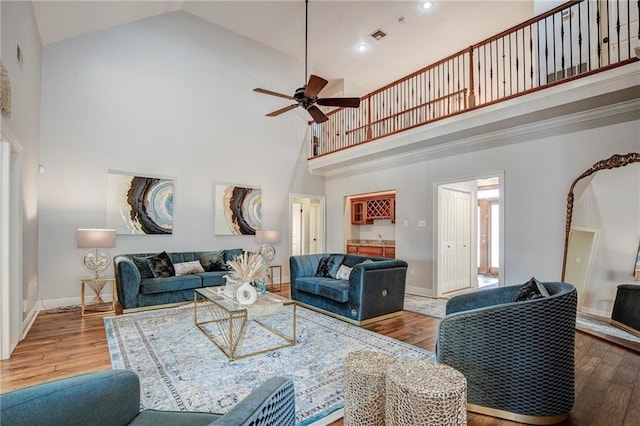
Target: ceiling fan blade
<point>314,86</point>
<point>318,116</point>
<point>281,110</point>
<point>340,102</point>
<point>269,92</point>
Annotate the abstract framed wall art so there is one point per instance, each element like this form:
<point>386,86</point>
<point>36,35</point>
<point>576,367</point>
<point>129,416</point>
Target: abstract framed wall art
<point>139,205</point>
<point>237,209</point>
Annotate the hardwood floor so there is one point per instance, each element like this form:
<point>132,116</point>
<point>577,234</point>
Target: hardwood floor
<point>65,344</point>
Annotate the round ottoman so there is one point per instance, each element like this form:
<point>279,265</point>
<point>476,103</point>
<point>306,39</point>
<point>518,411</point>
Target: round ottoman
<point>419,392</point>
<point>364,377</point>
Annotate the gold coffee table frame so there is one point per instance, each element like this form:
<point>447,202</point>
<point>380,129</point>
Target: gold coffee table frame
<point>231,319</point>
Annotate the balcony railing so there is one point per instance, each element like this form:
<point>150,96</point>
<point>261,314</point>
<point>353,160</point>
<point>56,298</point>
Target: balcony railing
<point>573,40</point>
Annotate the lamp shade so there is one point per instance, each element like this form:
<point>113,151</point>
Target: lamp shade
<point>96,238</point>
<point>267,237</point>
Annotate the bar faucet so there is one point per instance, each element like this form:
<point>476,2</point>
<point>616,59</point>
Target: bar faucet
<point>379,239</point>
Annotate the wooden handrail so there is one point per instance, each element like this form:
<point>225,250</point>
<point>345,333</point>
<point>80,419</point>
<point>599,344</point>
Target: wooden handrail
<point>457,93</point>
<point>525,58</point>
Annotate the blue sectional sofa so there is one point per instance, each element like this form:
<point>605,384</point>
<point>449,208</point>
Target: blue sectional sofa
<point>138,288</point>
<point>373,290</point>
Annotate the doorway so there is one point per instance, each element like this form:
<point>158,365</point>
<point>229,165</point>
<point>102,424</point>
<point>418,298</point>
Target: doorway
<point>10,243</point>
<point>307,218</point>
<point>469,233</point>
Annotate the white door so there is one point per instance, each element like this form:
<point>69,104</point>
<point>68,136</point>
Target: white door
<point>463,240</point>
<point>454,231</point>
<point>296,226</point>
<point>307,224</point>
<point>10,245</point>
<point>314,216</point>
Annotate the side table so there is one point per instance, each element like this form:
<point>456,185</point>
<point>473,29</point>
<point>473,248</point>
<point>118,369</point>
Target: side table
<point>364,387</point>
<point>98,305</point>
<point>272,281</point>
<point>420,392</point>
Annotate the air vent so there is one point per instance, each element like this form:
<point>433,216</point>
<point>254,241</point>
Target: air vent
<point>378,35</point>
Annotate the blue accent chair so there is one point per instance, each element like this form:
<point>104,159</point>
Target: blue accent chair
<point>518,357</point>
<point>112,398</point>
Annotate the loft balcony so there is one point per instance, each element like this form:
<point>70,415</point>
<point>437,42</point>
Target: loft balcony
<point>573,64</point>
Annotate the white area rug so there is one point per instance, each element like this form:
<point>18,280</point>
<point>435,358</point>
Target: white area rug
<point>593,324</point>
<point>424,305</point>
<point>180,369</point>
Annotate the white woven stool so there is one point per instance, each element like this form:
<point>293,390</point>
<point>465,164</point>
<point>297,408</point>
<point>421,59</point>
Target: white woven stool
<point>364,378</point>
<point>420,392</point>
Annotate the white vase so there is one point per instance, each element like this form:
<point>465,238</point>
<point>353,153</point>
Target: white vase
<point>247,294</point>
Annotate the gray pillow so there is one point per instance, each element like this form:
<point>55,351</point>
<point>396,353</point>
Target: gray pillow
<point>161,265</point>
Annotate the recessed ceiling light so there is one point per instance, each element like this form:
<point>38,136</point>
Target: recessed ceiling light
<point>361,47</point>
<point>427,5</point>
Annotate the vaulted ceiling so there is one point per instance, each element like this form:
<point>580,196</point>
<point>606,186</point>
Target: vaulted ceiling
<point>415,37</point>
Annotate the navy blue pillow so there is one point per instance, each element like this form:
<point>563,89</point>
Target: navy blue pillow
<point>161,265</point>
<point>532,289</point>
<point>142,263</point>
<point>213,261</point>
<point>329,265</point>
<point>323,267</point>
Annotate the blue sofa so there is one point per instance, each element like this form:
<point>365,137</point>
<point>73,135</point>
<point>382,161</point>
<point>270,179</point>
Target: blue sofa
<point>372,292</point>
<point>517,357</point>
<point>112,398</point>
<point>137,289</point>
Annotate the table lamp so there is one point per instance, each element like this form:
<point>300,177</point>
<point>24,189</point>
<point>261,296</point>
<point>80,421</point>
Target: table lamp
<point>267,239</point>
<point>96,260</point>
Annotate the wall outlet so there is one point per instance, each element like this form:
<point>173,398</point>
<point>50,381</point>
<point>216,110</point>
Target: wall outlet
<point>406,223</point>
<point>422,224</point>
<point>412,272</point>
<point>24,306</point>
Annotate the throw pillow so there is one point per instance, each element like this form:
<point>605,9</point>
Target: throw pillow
<point>334,265</point>
<point>213,261</point>
<point>532,289</point>
<point>343,272</point>
<point>161,265</point>
<point>323,267</point>
<point>186,268</point>
<point>142,263</point>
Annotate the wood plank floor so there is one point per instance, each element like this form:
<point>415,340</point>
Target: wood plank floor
<point>65,344</point>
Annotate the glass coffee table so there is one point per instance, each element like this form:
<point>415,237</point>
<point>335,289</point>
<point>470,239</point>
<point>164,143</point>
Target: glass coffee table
<point>241,331</point>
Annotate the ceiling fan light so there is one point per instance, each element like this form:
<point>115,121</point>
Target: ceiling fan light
<point>361,47</point>
<point>427,5</point>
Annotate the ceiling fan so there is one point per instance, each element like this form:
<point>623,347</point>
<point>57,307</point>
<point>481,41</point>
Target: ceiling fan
<point>307,95</point>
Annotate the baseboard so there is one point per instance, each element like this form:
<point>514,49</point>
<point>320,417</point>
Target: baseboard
<point>70,301</point>
<point>419,291</point>
<point>27,323</point>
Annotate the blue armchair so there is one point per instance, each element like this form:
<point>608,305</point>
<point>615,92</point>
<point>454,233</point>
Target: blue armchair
<point>518,357</point>
<point>112,398</point>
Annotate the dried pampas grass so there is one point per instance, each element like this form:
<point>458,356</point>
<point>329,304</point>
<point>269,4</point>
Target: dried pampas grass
<point>247,268</point>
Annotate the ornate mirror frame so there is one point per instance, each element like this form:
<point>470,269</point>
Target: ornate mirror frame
<point>612,162</point>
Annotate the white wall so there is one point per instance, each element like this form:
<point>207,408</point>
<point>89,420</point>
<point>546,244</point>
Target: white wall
<point>537,175</point>
<point>171,96</point>
<point>19,28</point>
